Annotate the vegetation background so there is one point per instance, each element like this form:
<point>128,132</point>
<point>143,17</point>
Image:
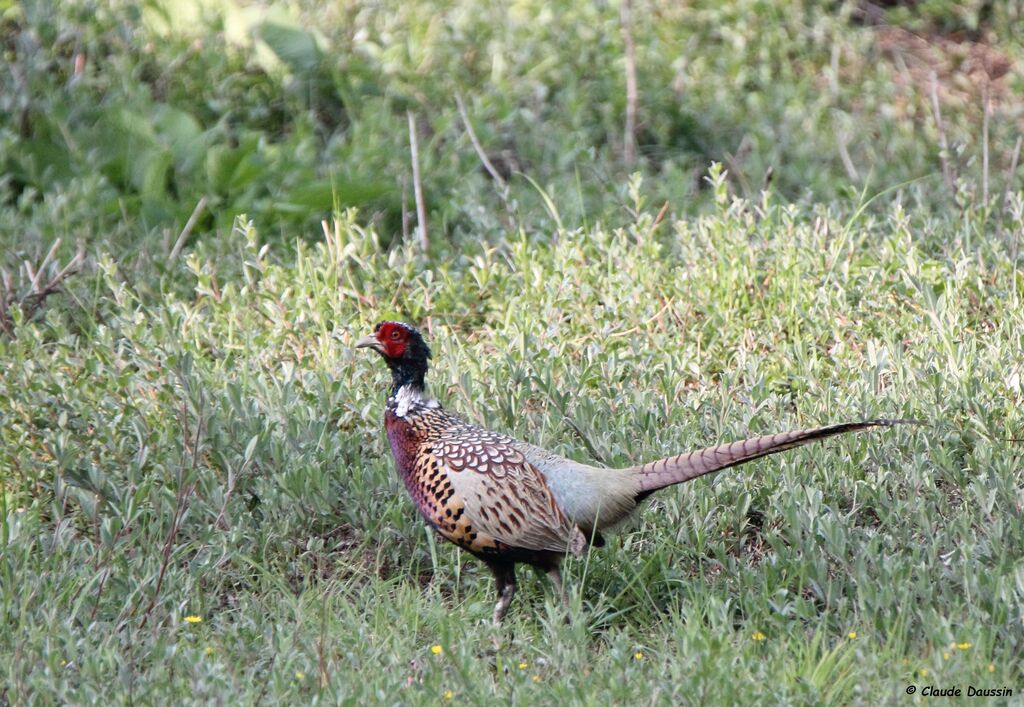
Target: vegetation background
<point>804,213</point>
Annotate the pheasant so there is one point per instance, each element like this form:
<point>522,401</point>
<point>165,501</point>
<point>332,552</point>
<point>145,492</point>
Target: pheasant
<point>508,502</point>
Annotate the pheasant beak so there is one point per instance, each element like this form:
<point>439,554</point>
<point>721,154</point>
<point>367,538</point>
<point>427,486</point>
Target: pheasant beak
<point>370,342</point>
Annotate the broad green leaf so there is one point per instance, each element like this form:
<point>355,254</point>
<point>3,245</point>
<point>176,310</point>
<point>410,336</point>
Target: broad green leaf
<point>295,48</point>
<point>179,131</point>
<point>325,195</point>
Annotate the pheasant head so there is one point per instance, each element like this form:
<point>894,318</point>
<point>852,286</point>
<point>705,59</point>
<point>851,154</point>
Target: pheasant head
<point>403,350</point>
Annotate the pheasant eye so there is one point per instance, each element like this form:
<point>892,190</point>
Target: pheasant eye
<point>395,334</point>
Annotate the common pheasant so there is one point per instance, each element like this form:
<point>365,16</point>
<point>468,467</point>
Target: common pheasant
<point>508,502</point>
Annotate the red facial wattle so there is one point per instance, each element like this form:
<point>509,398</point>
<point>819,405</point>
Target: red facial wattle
<point>393,338</point>
<point>394,348</point>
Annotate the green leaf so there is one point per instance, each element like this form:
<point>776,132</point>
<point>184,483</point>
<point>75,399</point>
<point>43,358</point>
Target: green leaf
<point>133,128</point>
<point>149,172</point>
<point>325,195</point>
<point>179,131</point>
<point>41,163</point>
<point>295,48</point>
<point>221,162</point>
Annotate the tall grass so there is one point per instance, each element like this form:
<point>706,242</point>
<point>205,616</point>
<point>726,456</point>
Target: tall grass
<point>220,456</point>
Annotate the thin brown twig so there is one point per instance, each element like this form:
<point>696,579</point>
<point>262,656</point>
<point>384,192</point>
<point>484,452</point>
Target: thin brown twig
<point>657,220</point>
<point>1010,173</point>
<point>488,165</point>
<point>987,109</point>
<point>325,678</point>
<point>107,571</point>
<point>185,492</point>
<point>42,267</point>
<point>844,156</point>
<point>503,191</point>
<point>69,269</point>
<point>405,210</point>
<point>660,217</point>
<point>32,276</point>
<point>187,230</point>
<point>417,184</point>
<point>629,46</point>
<point>36,293</point>
<point>947,171</point>
<point>638,328</point>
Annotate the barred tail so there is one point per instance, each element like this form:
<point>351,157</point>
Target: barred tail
<point>675,470</point>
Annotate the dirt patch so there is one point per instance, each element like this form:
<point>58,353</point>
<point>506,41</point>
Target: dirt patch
<point>961,66</point>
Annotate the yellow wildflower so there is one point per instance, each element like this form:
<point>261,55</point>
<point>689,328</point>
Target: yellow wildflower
<point>209,650</point>
<point>945,655</point>
<point>436,649</point>
<point>638,656</point>
<point>991,668</point>
<point>963,646</point>
<point>758,636</point>
<point>924,672</point>
<point>299,675</point>
<point>851,635</point>
<point>193,619</point>
<point>522,666</point>
<point>448,694</point>
<point>536,678</point>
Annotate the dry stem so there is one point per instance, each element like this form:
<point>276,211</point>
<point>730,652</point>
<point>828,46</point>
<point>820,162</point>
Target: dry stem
<point>421,207</point>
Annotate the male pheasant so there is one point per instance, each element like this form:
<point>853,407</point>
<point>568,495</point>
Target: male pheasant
<point>508,502</point>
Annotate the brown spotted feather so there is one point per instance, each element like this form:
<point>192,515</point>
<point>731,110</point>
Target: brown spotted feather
<point>476,488</point>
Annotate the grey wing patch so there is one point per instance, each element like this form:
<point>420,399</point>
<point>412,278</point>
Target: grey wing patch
<point>505,496</point>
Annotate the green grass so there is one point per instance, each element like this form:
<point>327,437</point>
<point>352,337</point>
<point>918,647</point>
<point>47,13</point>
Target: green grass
<point>245,415</point>
<point>195,437</point>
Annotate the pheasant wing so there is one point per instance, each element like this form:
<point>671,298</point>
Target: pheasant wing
<point>506,499</point>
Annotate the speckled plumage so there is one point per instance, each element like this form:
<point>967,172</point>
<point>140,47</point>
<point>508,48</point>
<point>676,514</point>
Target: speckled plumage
<point>509,502</point>
<point>476,486</point>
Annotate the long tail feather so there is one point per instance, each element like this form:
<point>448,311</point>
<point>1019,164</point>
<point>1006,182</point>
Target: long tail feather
<point>684,467</point>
